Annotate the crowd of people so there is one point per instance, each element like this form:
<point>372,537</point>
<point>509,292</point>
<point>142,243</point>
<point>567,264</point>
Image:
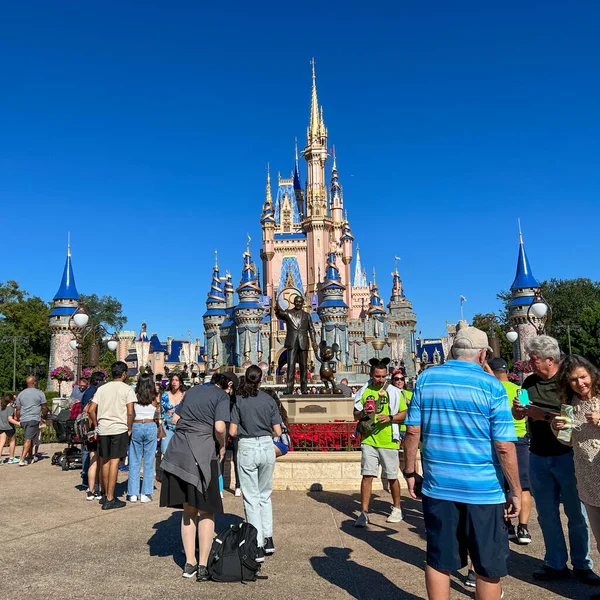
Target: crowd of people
<point>487,447</point>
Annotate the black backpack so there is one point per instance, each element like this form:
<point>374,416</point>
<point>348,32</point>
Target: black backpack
<point>233,554</point>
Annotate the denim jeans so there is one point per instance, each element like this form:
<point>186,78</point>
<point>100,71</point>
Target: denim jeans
<point>170,432</point>
<point>142,446</point>
<point>256,463</point>
<point>552,482</point>
<point>85,461</point>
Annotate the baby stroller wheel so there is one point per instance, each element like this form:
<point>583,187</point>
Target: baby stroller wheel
<point>62,461</point>
<point>55,458</point>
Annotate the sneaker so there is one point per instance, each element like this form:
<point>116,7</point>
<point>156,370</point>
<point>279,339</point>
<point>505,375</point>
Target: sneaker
<point>523,536</point>
<point>36,458</point>
<point>221,493</point>
<point>260,555</point>
<point>123,468</point>
<point>189,571</point>
<point>22,463</point>
<point>13,461</point>
<point>238,492</point>
<point>362,520</point>
<point>90,495</point>
<point>97,495</point>
<point>395,516</point>
<point>512,534</point>
<point>549,574</point>
<point>132,498</point>
<point>144,498</point>
<point>471,580</point>
<point>202,574</point>
<point>102,499</point>
<point>587,576</point>
<point>114,503</point>
<point>269,546</point>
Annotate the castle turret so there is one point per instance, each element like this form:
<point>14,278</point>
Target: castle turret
<point>299,192</point>
<point>229,291</point>
<point>249,311</point>
<point>401,328</point>
<point>213,317</point>
<point>64,304</point>
<point>360,293</point>
<point>523,290</point>
<point>267,251</point>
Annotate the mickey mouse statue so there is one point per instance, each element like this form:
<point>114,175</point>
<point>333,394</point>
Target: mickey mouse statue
<point>328,365</point>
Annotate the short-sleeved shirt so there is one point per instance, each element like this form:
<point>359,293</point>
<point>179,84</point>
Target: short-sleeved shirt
<point>381,435</point>
<point>405,397</point>
<point>462,411</point>
<point>31,401</point>
<point>255,415</point>
<point>88,395</point>
<point>9,411</point>
<point>112,399</point>
<point>511,393</point>
<point>543,393</point>
<point>205,404</point>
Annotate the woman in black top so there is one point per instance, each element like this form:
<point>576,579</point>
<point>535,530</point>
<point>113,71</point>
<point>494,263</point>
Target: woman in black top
<point>254,419</point>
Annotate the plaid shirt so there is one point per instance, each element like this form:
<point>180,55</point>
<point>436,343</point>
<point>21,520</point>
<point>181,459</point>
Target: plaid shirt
<point>76,410</point>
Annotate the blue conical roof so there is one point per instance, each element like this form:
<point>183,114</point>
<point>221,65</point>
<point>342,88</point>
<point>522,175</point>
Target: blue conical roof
<point>524,277</point>
<point>67,289</point>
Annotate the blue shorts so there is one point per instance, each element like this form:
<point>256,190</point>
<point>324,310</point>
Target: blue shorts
<point>282,447</point>
<point>456,529</point>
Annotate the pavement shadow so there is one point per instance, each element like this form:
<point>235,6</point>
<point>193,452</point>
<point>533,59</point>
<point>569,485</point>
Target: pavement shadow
<point>358,581</point>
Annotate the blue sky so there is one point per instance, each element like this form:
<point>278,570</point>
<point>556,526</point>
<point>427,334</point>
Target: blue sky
<point>144,129</point>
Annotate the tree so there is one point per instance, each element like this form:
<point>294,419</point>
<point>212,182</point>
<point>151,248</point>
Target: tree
<point>106,311</point>
<point>586,339</point>
<point>489,323</point>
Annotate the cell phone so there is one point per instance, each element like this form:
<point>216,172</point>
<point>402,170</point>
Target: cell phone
<point>370,404</point>
<point>523,396</point>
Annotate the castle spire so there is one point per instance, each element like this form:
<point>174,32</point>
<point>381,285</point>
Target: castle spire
<point>313,126</point>
<point>67,289</point>
<point>360,279</point>
<point>524,277</point>
<point>297,185</point>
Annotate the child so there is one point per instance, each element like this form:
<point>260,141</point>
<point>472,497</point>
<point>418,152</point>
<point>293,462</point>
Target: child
<point>7,428</point>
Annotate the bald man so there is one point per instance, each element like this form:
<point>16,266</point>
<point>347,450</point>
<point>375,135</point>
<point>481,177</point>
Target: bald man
<point>30,408</point>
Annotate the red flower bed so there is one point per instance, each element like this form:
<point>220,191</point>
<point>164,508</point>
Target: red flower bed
<point>324,437</point>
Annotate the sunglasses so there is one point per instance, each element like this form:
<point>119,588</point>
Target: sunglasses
<point>398,379</point>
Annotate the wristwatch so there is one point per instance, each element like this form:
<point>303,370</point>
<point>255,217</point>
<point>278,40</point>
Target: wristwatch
<point>407,475</point>
<point>547,416</point>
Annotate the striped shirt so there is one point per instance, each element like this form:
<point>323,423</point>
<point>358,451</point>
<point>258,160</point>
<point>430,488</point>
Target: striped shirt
<point>462,411</point>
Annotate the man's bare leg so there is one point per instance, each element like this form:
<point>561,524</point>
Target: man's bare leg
<point>366,488</point>
<point>113,473</point>
<point>487,588</point>
<point>395,489</point>
<point>438,584</point>
<point>27,445</point>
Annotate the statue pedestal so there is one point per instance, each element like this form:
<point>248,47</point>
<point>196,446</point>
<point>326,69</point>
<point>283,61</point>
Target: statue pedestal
<point>318,408</point>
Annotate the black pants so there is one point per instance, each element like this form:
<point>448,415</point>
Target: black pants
<point>297,355</point>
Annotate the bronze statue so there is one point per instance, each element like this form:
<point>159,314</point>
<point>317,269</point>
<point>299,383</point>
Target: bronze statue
<point>299,327</point>
<point>328,366</point>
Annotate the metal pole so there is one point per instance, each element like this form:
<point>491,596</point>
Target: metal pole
<point>14,363</point>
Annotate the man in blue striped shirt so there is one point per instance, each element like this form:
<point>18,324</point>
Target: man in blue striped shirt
<point>463,416</point>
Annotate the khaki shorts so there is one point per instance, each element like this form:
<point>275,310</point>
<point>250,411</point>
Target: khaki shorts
<point>373,458</point>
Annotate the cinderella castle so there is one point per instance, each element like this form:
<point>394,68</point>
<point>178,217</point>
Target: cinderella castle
<point>307,249</point>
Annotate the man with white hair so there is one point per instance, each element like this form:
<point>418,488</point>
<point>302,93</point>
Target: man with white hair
<point>551,470</point>
<point>464,417</point>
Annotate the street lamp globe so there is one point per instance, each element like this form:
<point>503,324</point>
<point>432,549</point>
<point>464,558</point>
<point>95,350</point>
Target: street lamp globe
<point>112,345</point>
<point>73,344</point>
<point>512,336</point>
<point>539,309</point>
<point>81,319</point>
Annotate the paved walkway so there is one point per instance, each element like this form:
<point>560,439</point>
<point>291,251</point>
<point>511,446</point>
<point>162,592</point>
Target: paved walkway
<point>55,545</point>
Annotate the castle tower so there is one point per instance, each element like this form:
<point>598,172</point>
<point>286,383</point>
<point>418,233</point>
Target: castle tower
<point>213,318</point>
<point>229,291</point>
<point>299,192</point>
<point>64,304</point>
<point>249,312</point>
<point>267,252</point>
<point>522,291</point>
<point>402,322</point>
<point>346,243</point>
<point>125,339</point>
<point>317,223</point>
<point>332,310</point>
<point>360,294</point>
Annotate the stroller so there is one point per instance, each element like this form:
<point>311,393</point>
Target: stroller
<point>66,431</point>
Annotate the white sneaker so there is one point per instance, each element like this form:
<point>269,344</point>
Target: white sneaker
<point>144,498</point>
<point>238,492</point>
<point>395,516</point>
<point>132,498</point>
<point>362,520</point>
<point>221,495</point>
<point>22,463</point>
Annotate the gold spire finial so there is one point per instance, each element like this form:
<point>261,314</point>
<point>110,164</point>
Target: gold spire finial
<point>334,160</point>
<point>248,244</point>
<point>314,105</point>
<point>268,197</point>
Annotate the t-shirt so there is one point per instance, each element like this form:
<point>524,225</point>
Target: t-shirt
<point>9,411</point>
<point>255,415</point>
<point>381,434</point>
<point>112,399</point>
<point>88,395</point>
<point>511,392</point>
<point>405,397</point>
<point>544,393</point>
<point>205,404</point>
<point>31,401</point>
<point>462,411</point>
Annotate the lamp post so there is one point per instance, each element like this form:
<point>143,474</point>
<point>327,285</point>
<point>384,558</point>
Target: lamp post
<point>539,313</point>
<point>81,325</point>
<point>15,339</point>
<point>35,369</point>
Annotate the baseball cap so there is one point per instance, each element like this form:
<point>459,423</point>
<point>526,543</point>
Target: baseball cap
<point>471,337</point>
<point>498,364</point>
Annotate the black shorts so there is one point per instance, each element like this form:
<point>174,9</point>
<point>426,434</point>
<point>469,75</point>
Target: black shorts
<point>113,446</point>
<point>456,529</point>
<point>9,432</point>
<point>522,447</point>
